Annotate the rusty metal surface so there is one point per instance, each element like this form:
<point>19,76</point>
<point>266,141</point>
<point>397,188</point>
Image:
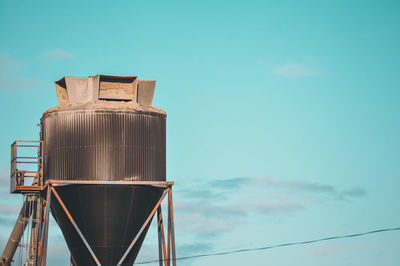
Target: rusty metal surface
<point>42,251</point>
<point>16,235</point>
<point>161,184</point>
<point>78,89</point>
<point>145,90</point>
<point>104,159</point>
<point>171,228</point>
<point>162,253</point>
<point>104,145</point>
<point>108,216</point>
<point>142,228</point>
<point>71,219</point>
<point>26,171</point>
<point>93,88</point>
<point>118,88</point>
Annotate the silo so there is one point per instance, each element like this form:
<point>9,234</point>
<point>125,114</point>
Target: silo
<point>103,165</point>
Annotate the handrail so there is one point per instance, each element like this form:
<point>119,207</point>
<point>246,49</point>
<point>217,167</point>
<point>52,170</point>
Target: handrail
<point>18,173</point>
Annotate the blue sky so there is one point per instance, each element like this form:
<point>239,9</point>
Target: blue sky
<point>283,116</point>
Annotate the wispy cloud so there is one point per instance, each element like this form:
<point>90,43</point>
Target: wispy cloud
<point>201,194</point>
<point>206,226</point>
<point>269,207</point>
<point>7,209</point>
<point>292,69</point>
<point>7,63</point>
<point>193,248</point>
<point>7,221</point>
<point>10,76</point>
<point>231,183</point>
<point>290,185</point>
<point>210,210</point>
<point>57,54</point>
<point>209,205</point>
<point>8,66</point>
<point>310,187</point>
<point>12,83</point>
<point>354,192</point>
<point>4,182</point>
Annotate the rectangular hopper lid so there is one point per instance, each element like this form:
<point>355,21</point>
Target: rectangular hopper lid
<point>117,88</point>
<point>104,87</point>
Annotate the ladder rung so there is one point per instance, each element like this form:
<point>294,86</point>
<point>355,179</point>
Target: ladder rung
<point>32,146</point>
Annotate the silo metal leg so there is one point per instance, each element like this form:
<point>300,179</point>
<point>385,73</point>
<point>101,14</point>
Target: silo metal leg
<point>42,250</point>
<point>161,239</point>
<point>171,229</point>
<point>143,227</point>
<point>75,226</point>
<point>33,206</point>
<point>72,261</point>
<point>170,254</point>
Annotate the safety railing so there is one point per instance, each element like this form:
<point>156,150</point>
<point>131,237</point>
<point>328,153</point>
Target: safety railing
<point>26,166</point>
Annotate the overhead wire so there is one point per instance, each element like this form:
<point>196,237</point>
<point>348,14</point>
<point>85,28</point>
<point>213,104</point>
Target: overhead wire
<point>277,246</point>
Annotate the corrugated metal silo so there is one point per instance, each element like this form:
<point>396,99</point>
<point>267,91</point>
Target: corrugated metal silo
<point>104,129</point>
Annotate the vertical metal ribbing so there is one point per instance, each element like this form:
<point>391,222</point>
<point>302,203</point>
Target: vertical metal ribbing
<point>123,144</point>
<point>82,165</point>
<point>93,149</point>
<point>62,152</point>
<point>151,148</point>
<point>102,148</point>
<point>58,154</point>
<point>51,165</point>
<point>104,145</point>
<point>138,159</point>
<point>62,170</point>
<point>163,147</point>
<point>69,147</point>
<point>73,146</point>
<point>97,148</point>
<point>144,154</point>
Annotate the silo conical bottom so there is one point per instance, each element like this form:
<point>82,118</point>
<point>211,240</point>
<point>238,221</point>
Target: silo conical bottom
<point>109,217</point>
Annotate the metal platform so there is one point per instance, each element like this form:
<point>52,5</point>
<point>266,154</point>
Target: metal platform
<point>26,166</point>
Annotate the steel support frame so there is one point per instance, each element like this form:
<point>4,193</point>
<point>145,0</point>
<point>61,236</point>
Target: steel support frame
<point>17,176</point>
<point>44,230</point>
<point>37,244</point>
<point>166,254</point>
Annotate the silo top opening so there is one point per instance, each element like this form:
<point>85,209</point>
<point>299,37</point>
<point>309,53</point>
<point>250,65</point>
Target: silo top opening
<point>72,90</point>
<point>118,88</point>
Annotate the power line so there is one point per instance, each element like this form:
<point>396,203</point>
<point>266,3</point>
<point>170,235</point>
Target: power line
<point>278,246</point>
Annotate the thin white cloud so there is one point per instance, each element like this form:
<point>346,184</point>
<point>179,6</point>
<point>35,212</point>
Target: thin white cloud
<point>9,209</point>
<point>210,202</point>
<point>278,206</point>
<point>6,60</point>
<point>10,77</point>
<point>292,69</point>
<point>11,83</point>
<point>56,54</point>
<point>205,226</point>
<point>308,187</point>
<point>211,210</point>
<point>8,65</point>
